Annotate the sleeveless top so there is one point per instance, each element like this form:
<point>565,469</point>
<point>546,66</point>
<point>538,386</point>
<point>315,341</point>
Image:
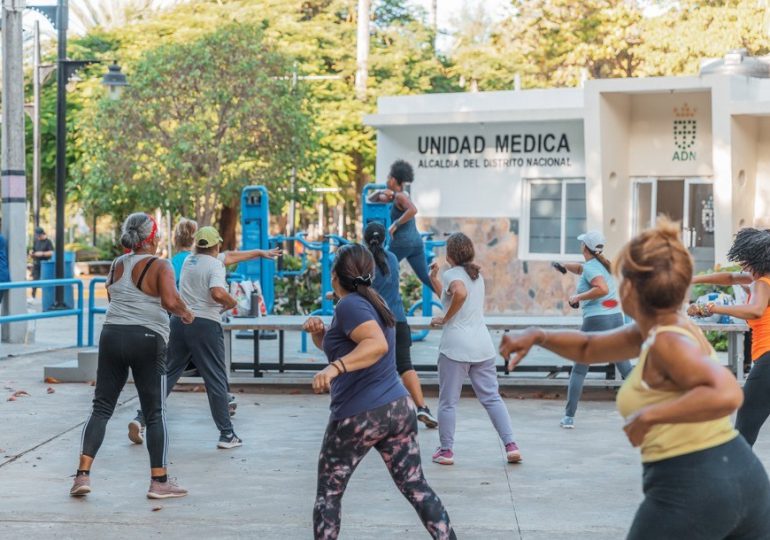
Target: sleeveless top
<point>760,330</point>
<point>665,441</point>
<point>406,234</point>
<point>130,306</point>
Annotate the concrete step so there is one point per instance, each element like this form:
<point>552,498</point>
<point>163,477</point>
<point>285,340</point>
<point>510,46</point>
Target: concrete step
<point>81,370</point>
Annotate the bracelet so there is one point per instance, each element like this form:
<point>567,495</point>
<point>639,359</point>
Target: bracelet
<point>342,364</point>
<point>339,371</point>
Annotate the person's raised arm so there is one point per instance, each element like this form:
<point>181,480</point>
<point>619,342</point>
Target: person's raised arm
<point>723,279</point>
<point>410,210</point>
<point>580,347</point>
<point>380,196</point>
<point>371,345</point>
<point>458,294</point>
<point>710,390</point>
<point>573,267</point>
<point>169,295</point>
<point>235,257</point>
<point>317,330</point>
<point>760,296</point>
<point>435,282</point>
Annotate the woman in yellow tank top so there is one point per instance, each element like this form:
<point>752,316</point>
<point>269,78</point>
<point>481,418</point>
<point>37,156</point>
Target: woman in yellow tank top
<point>751,250</point>
<point>701,480</point>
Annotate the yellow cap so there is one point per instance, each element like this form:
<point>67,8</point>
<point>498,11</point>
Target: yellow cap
<point>207,237</point>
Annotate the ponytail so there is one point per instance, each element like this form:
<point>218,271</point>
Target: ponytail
<point>602,259</point>
<point>354,265</point>
<point>374,235</point>
<point>473,270</point>
<point>460,249</point>
<point>378,303</point>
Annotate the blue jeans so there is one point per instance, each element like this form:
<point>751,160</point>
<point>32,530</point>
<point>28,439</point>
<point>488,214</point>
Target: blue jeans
<point>597,323</point>
<point>415,255</point>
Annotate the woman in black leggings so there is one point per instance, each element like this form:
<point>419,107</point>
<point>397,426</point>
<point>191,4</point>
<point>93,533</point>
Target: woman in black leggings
<point>141,290</point>
<point>370,408</point>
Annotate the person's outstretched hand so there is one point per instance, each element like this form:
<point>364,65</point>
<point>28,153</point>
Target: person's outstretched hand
<point>519,345</point>
<point>272,253</point>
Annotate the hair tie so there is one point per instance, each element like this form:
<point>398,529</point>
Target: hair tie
<point>362,280</point>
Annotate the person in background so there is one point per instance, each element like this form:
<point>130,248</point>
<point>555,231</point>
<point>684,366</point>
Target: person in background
<point>701,480</point>
<point>597,296</point>
<point>370,408</point>
<point>751,250</point>
<point>405,240</point>
<point>466,349</point>
<point>386,283</point>
<point>42,250</point>
<point>141,294</point>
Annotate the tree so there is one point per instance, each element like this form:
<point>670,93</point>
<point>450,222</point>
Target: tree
<point>199,122</point>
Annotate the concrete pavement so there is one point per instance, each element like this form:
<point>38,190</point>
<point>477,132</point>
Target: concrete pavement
<point>581,484</point>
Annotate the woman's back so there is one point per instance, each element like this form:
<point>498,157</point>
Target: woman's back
<point>388,286</point>
<point>465,337</point>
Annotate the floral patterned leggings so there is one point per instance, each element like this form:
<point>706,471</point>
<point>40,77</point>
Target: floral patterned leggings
<point>392,431</point>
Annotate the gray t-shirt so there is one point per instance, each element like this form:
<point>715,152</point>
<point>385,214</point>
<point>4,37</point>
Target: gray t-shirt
<point>200,273</point>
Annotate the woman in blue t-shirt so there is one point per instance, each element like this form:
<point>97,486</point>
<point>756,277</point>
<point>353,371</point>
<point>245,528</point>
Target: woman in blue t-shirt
<point>370,407</point>
<point>597,296</point>
<point>386,282</point>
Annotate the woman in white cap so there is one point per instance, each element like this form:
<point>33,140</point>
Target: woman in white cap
<point>597,296</point>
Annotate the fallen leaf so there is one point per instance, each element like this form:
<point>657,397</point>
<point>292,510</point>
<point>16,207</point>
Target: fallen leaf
<point>199,389</point>
<point>51,380</point>
<point>157,508</point>
<point>21,393</point>
<point>91,383</point>
<point>50,390</point>
<point>12,398</point>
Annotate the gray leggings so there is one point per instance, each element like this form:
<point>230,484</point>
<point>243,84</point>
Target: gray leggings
<point>483,375</point>
<point>597,323</point>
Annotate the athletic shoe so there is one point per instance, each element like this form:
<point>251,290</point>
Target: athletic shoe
<point>424,416</point>
<point>568,422</point>
<point>136,431</point>
<point>229,441</point>
<point>165,490</point>
<point>81,486</point>
<point>444,456</point>
<point>512,453</point>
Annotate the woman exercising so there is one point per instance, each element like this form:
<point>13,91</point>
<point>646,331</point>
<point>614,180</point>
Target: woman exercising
<point>370,408</point>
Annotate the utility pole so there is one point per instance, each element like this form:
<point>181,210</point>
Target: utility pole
<point>36,128</point>
<point>12,171</point>
<point>362,48</point>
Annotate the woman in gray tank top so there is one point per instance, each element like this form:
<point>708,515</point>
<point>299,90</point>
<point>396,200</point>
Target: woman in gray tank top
<point>141,291</point>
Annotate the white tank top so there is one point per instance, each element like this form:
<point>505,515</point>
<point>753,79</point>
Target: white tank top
<point>130,306</point>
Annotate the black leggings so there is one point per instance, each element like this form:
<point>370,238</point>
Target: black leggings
<point>715,494</point>
<point>144,351</point>
<point>415,256</point>
<point>392,431</point>
<point>756,400</point>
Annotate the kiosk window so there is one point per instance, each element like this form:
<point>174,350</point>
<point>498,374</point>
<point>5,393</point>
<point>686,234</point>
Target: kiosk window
<point>557,215</point>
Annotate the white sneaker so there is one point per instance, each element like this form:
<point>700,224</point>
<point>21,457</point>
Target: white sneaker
<point>135,431</point>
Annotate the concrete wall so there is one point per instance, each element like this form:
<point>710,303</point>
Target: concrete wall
<point>762,179</point>
<point>745,131</point>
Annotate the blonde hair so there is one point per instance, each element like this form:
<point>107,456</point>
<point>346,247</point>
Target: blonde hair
<point>184,233</point>
<point>658,266</point>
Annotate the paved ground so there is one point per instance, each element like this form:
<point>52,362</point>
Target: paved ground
<point>583,484</point>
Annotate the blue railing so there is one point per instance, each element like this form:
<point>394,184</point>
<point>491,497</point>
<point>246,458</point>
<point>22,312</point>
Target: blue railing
<point>45,283</point>
<point>92,309</point>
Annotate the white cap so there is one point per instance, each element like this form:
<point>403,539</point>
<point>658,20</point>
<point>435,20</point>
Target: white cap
<point>593,240</point>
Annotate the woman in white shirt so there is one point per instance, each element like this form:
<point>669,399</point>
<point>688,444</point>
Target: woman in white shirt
<point>466,349</point>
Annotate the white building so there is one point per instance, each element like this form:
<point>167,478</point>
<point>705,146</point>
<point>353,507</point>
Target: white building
<point>549,164</point>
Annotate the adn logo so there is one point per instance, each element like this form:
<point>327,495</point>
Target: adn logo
<point>685,128</point>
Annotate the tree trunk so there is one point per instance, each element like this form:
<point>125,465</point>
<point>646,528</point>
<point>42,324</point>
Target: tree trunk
<point>228,220</point>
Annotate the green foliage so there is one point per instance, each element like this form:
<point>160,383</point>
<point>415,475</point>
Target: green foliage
<point>199,122</point>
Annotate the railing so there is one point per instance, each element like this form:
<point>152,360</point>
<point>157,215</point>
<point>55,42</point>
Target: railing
<point>41,284</point>
<point>92,309</point>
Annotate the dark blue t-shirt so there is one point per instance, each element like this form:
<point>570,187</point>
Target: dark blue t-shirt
<point>387,286</point>
<point>366,389</point>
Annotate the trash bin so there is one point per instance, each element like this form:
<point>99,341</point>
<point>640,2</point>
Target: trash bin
<point>48,271</point>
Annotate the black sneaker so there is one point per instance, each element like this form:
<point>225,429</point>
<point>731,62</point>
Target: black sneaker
<point>424,416</point>
<point>228,441</point>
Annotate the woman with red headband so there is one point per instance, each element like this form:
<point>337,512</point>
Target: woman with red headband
<point>141,291</point>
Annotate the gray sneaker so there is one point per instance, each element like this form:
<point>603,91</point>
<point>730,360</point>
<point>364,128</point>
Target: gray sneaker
<point>228,441</point>
<point>568,422</point>
<point>81,486</point>
<point>165,490</point>
<point>135,431</point>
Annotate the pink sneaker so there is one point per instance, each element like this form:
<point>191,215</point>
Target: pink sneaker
<point>165,490</point>
<point>81,485</point>
<point>444,456</point>
<point>512,453</point>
